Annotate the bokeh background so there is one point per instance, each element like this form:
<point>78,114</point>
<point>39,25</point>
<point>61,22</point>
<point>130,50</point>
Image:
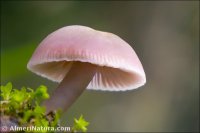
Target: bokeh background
<point>164,34</point>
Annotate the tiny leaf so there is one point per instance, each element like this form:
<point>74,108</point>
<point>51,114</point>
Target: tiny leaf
<point>80,124</point>
<point>6,91</point>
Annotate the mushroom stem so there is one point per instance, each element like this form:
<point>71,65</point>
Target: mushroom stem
<point>73,84</point>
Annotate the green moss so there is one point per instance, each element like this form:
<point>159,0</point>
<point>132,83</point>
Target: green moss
<point>24,106</point>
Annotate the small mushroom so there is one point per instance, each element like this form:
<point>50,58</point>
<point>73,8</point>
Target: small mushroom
<point>79,57</point>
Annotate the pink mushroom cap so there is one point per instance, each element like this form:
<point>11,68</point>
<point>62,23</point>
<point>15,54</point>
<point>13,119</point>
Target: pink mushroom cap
<point>119,67</point>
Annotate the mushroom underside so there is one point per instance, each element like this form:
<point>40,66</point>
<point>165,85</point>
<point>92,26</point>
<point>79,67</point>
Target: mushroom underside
<point>105,78</point>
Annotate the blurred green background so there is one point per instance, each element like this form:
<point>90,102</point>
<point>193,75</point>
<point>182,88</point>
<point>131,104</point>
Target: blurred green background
<point>165,35</point>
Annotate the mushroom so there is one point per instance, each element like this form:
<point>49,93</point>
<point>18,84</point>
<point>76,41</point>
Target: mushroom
<point>79,57</point>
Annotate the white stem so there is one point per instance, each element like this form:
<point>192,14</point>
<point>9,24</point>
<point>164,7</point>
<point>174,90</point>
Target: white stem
<point>71,87</point>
